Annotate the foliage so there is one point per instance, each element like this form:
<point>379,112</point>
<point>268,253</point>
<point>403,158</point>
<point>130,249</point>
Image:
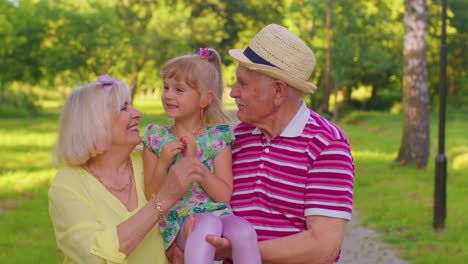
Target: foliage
<point>18,100</point>
<point>64,43</point>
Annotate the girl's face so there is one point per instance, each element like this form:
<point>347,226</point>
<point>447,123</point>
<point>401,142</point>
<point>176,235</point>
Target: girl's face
<point>125,126</point>
<point>180,101</point>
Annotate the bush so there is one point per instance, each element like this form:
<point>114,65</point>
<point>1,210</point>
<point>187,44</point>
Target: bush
<point>18,100</point>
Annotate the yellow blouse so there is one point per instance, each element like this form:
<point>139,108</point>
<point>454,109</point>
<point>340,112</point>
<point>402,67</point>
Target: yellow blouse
<point>85,216</point>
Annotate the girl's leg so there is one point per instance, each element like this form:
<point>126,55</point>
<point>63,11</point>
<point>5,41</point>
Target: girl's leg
<point>185,231</point>
<point>243,239</point>
<point>197,249</point>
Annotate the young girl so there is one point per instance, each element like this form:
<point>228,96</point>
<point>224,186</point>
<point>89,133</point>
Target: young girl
<point>192,94</point>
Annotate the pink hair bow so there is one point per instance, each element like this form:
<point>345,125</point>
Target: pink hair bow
<point>204,53</point>
<point>107,82</point>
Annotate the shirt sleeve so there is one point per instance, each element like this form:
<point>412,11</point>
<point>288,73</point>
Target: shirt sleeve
<point>223,135</point>
<point>330,182</point>
<point>152,137</point>
<point>79,232</point>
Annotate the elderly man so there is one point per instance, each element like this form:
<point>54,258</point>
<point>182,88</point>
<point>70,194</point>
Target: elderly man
<point>293,169</point>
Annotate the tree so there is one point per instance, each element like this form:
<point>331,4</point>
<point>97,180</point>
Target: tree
<point>415,141</point>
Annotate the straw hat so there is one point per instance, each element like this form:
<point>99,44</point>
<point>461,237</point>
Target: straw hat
<point>277,52</point>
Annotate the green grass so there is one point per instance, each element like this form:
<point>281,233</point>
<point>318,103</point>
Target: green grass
<point>398,201</point>
<point>395,200</point>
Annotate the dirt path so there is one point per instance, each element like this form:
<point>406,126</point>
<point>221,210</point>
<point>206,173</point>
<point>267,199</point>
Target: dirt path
<point>364,246</point>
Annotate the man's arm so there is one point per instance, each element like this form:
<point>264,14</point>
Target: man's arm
<point>320,243</point>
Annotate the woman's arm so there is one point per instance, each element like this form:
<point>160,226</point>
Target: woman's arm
<point>84,237</point>
<point>152,172</point>
<point>219,185</point>
<point>81,234</point>
<point>181,175</point>
<point>132,231</point>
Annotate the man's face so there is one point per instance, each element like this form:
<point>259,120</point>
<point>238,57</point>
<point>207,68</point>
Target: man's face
<point>254,96</point>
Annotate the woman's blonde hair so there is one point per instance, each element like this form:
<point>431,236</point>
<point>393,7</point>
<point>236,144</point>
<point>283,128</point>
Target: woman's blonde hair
<point>85,123</point>
<point>203,74</point>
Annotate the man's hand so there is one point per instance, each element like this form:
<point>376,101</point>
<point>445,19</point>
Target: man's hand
<point>222,245</point>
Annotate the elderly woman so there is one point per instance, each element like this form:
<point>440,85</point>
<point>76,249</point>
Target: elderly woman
<point>97,202</point>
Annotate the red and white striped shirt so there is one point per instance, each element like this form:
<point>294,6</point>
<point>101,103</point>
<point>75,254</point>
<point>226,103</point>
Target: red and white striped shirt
<point>307,170</point>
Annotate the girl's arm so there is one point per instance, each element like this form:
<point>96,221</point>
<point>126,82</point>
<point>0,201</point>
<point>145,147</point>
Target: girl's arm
<point>155,167</point>
<point>218,185</point>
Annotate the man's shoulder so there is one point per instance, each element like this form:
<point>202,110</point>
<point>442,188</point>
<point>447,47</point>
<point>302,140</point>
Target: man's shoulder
<point>319,125</point>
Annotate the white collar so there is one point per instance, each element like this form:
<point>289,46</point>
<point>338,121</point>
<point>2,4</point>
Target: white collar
<point>296,125</point>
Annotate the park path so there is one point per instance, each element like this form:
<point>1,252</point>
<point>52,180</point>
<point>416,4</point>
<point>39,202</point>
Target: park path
<point>361,245</point>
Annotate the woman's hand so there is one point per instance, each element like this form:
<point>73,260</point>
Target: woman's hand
<point>179,177</point>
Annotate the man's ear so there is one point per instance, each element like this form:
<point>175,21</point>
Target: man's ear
<point>281,90</point>
<point>206,101</point>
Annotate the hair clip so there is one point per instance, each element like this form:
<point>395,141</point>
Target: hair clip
<point>204,53</point>
<point>107,82</point>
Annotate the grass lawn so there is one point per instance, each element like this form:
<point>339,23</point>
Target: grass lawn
<point>392,199</point>
<point>398,201</point>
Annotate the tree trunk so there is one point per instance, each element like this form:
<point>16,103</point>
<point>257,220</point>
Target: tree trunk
<point>415,139</point>
<point>328,61</point>
<point>137,66</point>
<point>371,99</point>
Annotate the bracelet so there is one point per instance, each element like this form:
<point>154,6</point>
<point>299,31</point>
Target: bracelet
<point>158,206</point>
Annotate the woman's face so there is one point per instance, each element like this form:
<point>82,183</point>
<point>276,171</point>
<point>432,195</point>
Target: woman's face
<point>125,126</point>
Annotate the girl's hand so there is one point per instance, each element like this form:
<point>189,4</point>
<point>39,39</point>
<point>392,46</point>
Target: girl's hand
<point>190,146</point>
<point>169,151</point>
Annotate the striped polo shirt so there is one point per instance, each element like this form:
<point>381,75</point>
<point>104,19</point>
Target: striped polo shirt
<point>307,170</point>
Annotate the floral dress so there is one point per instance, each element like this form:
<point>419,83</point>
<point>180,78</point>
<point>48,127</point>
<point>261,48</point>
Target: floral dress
<point>195,199</point>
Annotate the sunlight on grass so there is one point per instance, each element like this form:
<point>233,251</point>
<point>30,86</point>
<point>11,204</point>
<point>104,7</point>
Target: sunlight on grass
<point>21,181</point>
<point>375,155</point>
<point>460,161</point>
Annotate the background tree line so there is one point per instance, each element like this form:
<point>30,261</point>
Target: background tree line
<point>56,45</point>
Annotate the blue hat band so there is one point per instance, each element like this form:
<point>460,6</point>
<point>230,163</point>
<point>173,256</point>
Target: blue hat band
<point>255,58</point>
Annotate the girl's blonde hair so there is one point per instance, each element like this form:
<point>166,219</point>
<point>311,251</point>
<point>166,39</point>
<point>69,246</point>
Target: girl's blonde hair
<point>203,74</point>
<point>85,123</point>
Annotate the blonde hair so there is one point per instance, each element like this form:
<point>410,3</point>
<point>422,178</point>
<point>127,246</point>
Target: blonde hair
<point>202,75</point>
<point>85,123</point>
